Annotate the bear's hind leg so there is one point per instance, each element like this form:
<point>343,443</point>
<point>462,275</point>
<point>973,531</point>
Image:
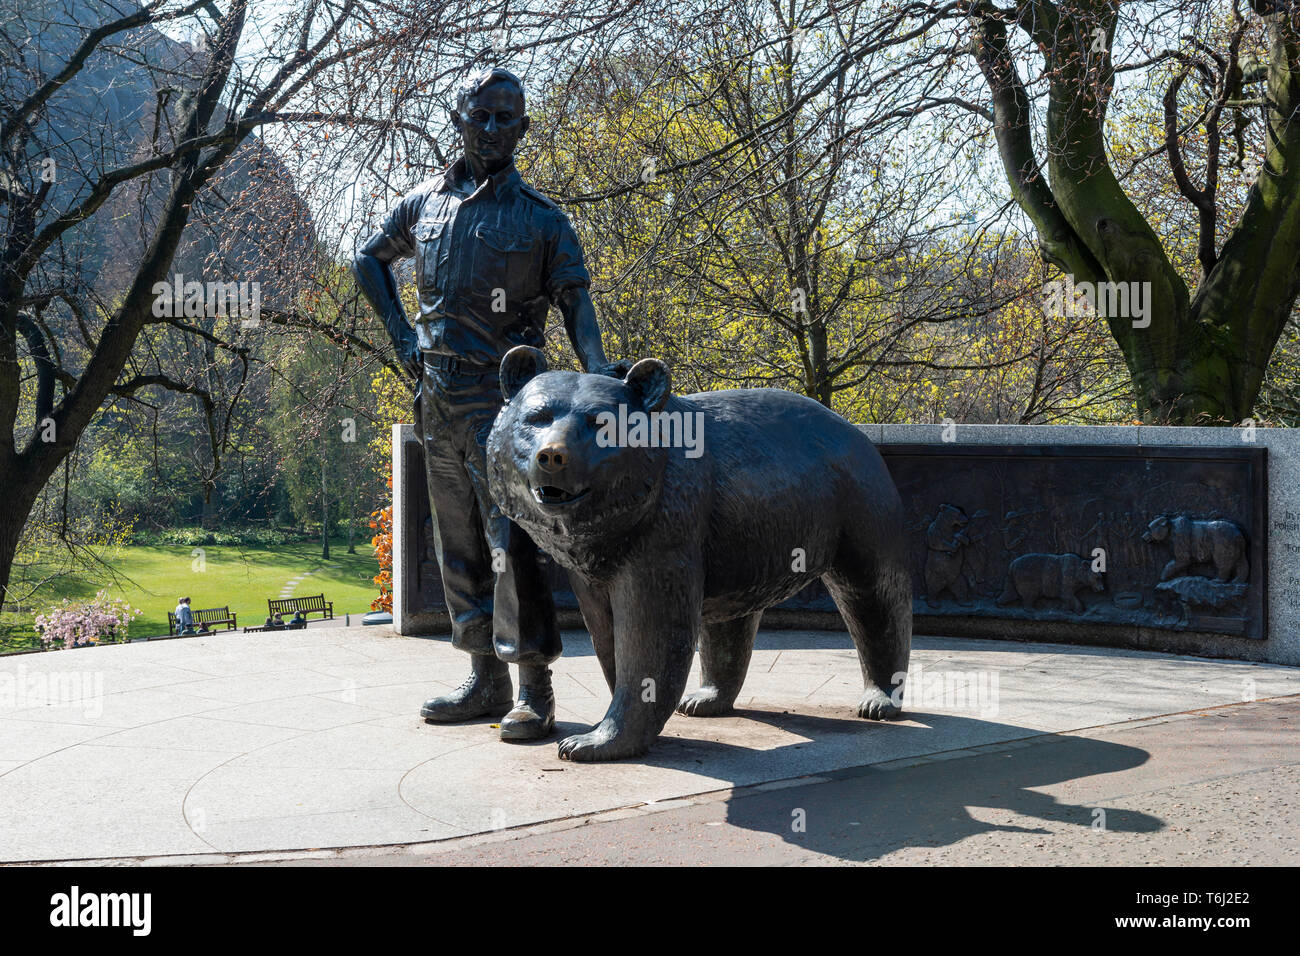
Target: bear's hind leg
<point>725,648</point>
<point>876,603</point>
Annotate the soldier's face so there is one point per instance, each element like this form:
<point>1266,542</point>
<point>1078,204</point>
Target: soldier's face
<point>491,124</point>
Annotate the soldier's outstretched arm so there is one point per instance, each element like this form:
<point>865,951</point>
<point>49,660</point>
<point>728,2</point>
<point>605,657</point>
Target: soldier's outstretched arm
<point>372,266</point>
<point>580,322</point>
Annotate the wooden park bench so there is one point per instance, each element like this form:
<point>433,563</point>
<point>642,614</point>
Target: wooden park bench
<point>316,604</point>
<point>205,617</point>
<point>276,627</point>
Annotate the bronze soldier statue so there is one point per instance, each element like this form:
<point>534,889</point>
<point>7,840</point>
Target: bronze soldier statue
<point>492,254</point>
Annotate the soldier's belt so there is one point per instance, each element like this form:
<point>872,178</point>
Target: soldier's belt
<point>451,365</point>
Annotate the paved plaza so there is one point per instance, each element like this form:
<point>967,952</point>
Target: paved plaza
<point>242,748</point>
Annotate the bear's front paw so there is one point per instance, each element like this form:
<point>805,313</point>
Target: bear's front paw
<point>604,742</point>
<point>877,705</point>
<point>704,702</point>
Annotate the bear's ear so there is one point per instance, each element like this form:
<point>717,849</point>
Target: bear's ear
<point>650,383</point>
<point>520,366</point>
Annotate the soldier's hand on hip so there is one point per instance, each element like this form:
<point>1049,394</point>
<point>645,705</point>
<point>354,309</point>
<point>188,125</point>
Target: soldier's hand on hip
<point>617,369</point>
<point>413,361</point>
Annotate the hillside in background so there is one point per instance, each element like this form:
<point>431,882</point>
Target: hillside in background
<point>251,226</point>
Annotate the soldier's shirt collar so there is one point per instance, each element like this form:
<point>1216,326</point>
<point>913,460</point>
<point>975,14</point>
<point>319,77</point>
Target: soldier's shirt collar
<point>458,172</point>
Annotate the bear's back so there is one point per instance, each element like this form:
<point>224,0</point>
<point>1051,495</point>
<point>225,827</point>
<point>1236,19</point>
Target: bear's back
<point>774,421</point>
<point>767,443</point>
<point>789,479</point>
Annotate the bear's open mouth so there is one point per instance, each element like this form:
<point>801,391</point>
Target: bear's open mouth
<point>552,495</point>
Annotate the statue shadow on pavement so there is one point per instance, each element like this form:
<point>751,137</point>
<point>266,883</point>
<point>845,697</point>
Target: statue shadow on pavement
<point>865,813</point>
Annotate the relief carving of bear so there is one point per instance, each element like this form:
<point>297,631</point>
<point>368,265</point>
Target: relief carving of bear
<point>1060,576</point>
<point>944,561</point>
<point>670,546</point>
<point>1199,541</point>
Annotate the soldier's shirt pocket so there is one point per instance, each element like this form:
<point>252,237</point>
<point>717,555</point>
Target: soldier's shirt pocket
<point>429,235</point>
<point>505,260</point>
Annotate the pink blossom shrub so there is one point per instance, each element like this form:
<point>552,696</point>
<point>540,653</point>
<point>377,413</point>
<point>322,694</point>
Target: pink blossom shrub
<point>76,623</point>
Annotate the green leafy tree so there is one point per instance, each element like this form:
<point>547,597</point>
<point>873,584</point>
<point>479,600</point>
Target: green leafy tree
<point>1211,334</point>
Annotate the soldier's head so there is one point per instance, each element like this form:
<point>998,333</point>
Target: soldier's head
<point>490,116</point>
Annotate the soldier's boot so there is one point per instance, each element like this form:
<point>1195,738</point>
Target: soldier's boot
<point>533,716</point>
<point>487,692</point>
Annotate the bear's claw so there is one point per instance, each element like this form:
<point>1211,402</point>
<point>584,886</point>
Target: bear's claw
<point>877,705</point>
<point>599,744</point>
<point>703,703</point>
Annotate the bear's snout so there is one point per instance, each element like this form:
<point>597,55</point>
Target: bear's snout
<point>552,458</point>
<point>552,476</point>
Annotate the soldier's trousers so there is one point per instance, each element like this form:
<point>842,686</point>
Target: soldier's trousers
<point>507,609</point>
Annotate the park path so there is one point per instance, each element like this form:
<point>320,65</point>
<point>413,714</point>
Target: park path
<point>292,584</point>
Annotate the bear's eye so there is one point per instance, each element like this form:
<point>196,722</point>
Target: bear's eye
<point>592,421</point>
<point>538,417</point>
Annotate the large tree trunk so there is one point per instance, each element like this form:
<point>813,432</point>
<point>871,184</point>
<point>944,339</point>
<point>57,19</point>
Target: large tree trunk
<point>352,528</point>
<point>209,518</point>
<point>1201,359</point>
<point>20,495</point>
<point>324,506</point>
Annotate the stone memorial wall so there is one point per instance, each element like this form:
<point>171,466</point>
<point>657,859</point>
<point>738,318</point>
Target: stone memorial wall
<point>1184,540</point>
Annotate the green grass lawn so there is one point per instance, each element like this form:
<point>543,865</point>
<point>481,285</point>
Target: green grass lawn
<point>241,576</point>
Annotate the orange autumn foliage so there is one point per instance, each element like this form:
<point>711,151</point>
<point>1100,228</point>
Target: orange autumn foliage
<point>382,522</point>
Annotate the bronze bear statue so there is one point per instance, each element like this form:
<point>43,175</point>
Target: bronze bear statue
<point>681,518</point>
